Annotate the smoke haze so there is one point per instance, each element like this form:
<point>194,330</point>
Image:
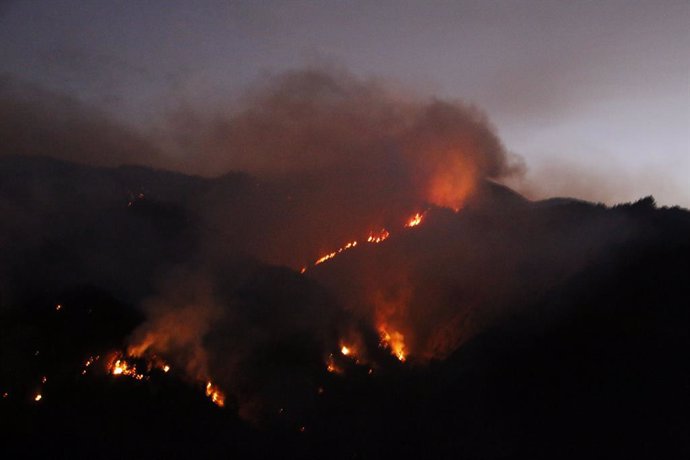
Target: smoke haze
<point>307,161</point>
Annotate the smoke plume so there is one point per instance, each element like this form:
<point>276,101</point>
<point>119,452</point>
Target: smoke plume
<point>35,121</point>
<point>327,122</point>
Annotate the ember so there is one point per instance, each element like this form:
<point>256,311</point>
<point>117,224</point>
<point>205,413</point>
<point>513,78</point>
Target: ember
<point>89,362</point>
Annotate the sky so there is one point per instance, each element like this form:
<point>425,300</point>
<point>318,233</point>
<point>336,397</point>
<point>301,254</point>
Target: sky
<point>594,96</point>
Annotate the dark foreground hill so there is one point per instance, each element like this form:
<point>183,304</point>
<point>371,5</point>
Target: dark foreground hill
<point>555,329</point>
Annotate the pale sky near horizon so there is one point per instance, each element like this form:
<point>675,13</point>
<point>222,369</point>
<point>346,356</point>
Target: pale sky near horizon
<point>595,96</point>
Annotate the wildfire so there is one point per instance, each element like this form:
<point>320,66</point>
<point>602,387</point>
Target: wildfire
<point>215,394</point>
<point>415,220</point>
<point>331,366</point>
<point>377,237</point>
<point>89,362</point>
<point>122,367</point>
<point>119,365</point>
<point>126,365</point>
<point>331,255</point>
<point>395,342</point>
<point>374,237</point>
<point>138,365</point>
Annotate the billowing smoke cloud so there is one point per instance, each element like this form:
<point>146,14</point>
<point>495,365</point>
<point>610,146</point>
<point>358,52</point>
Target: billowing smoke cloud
<point>330,158</point>
<point>328,122</point>
<point>441,284</point>
<point>342,157</point>
<point>35,121</point>
<point>178,323</point>
<point>259,333</point>
<point>336,156</point>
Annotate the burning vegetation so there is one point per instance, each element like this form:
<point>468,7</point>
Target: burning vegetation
<point>379,236</point>
<point>121,366</point>
<point>393,341</point>
<point>415,220</point>
<point>214,393</point>
<point>141,368</point>
<point>211,305</point>
<point>374,237</point>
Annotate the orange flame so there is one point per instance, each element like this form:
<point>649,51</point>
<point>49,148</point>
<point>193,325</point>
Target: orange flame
<point>374,237</point>
<point>215,394</point>
<point>377,237</point>
<point>395,342</point>
<point>120,366</point>
<point>123,365</point>
<point>415,220</point>
<point>89,362</point>
<point>331,255</point>
<point>331,366</point>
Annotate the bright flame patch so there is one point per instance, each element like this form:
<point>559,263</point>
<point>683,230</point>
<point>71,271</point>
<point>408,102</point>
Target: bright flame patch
<point>377,237</point>
<point>393,341</point>
<point>215,394</point>
<point>415,220</point>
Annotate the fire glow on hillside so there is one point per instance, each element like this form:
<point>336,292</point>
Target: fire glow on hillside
<point>374,237</point>
<point>122,365</point>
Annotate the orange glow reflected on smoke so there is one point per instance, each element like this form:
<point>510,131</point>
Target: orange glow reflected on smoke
<point>454,184</point>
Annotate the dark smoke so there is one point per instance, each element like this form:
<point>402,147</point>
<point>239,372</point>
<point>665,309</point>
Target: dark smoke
<point>308,161</point>
<point>336,157</point>
<point>327,122</point>
<point>35,121</point>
